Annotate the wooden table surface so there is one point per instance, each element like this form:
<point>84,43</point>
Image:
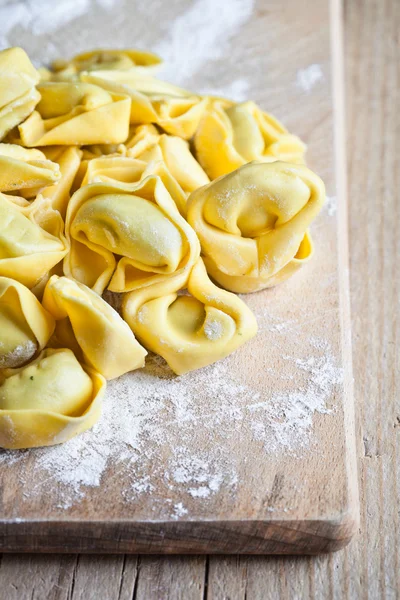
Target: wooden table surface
<point>369,567</point>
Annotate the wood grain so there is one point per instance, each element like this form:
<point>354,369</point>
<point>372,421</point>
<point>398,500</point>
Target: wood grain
<point>368,567</point>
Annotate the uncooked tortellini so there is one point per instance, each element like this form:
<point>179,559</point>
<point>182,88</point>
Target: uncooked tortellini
<point>25,326</point>
<point>91,327</point>
<point>18,95</point>
<point>73,113</point>
<point>189,331</point>
<point>25,171</point>
<point>147,144</point>
<point>48,401</point>
<point>31,240</point>
<point>253,223</point>
<point>176,112</point>
<point>126,236</point>
<point>105,59</point>
<point>231,135</point>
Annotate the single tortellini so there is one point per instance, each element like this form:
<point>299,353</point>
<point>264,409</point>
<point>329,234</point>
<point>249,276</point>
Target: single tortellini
<point>230,135</point>
<point>189,331</point>
<point>25,326</point>
<point>126,236</point>
<point>92,328</point>
<point>32,239</point>
<point>75,113</point>
<point>104,59</point>
<point>18,95</point>
<point>148,145</point>
<point>68,160</point>
<point>253,223</point>
<point>176,113</point>
<point>48,401</point>
<point>25,171</point>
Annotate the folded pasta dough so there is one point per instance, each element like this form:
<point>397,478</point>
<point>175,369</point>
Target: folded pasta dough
<point>253,223</point>
<point>176,114</point>
<point>105,59</point>
<point>25,171</point>
<point>48,401</point>
<point>147,144</point>
<point>31,239</point>
<point>127,235</point>
<point>230,135</point>
<point>18,95</point>
<point>74,113</point>
<point>69,161</point>
<point>125,169</point>
<point>25,326</point>
<point>85,320</point>
<point>193,331</point>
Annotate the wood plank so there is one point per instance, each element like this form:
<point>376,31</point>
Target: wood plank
<point>207,497</point>
<point>171,578</point>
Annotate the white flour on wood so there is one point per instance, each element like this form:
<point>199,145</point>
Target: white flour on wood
<point>154,426</point>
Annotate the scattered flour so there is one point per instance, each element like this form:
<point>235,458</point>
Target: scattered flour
<point>154,427</point>
<point>200,35</point>
<point>213,329</point>
<point>19,355</point>
<point>309,77</point>
<point>43,17</point>
<point>331,205</point>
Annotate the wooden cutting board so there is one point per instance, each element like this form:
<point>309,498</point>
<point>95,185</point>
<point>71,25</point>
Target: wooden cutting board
<point>255,454</point>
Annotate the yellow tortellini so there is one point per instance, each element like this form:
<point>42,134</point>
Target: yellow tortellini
<point>25,326</point>
<point>147,144</point>
<point>18,95</point>
<point>91,327</point>
<point>31,240</point>
<point>253,223</point>
<point>75,113</point>
<point>48,401</point>
<point>175,111</point>
<point>230,135</point>
<point>105,59</point>
<point>189,331</point>
<point>25,171</point>
<point>126,236</point>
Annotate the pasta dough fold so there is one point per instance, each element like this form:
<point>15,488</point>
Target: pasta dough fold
<point>74,113</point>
<point>126,236</point>
<point>124,169</point>
<point>18,95</point>
<point>176,112</point>
<point>147,144</point>
<point>69,161</point>
<point>25,326</point>
<point>25,171</point>
<point>230,135</point>
<point>253,223</point>
<point>31,240</point>
<point>92,328</point>
<point>189,331</point>
<point>48,401</point>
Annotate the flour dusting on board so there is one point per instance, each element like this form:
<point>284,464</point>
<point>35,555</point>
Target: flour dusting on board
<point>151,414</point>
<point>307,78</point>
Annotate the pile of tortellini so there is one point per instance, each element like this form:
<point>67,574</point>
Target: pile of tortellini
<point>114,181</point>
